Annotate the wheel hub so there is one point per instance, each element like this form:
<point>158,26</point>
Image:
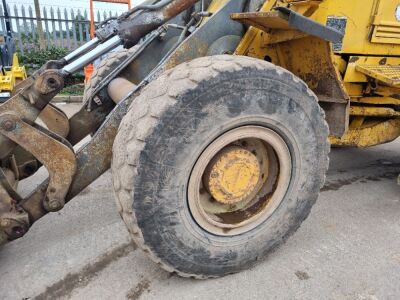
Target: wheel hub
<point>239,180</point>
<point>232,175</point>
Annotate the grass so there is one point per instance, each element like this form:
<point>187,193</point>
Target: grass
<point>74,90</point>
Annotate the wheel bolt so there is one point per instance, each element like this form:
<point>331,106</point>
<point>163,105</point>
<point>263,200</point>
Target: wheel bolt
<point>4,223</point>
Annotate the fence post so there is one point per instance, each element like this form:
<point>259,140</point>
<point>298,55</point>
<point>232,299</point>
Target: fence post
<point>33,29</point>
<point>80,18</point>
<point>2,21</point>
<point>46,24</point>
<point>87,25</point>
<point>24,23</point>
<point>74,26</point>
<point>19,34</point>
<point>67,29</point>
<point>42,44</point>
<point>60,28</point>
<point>53,26</point>
<point>7,19</point>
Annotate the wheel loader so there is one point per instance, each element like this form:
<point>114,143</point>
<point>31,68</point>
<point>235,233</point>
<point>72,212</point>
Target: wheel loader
<point>215,117</point>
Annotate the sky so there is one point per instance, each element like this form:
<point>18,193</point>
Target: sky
<point>78,4</point>
<point>82,5</point>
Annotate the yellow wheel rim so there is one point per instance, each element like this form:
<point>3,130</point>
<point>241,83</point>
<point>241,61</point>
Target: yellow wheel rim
<point>239,180</point>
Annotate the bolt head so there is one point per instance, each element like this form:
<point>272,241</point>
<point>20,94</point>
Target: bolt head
<point>8,125</point>
<point>4,223</point>
<point>55,205</point>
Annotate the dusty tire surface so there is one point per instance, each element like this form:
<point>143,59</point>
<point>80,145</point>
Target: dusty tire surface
<point>169,125</point>
<point>110,62</point>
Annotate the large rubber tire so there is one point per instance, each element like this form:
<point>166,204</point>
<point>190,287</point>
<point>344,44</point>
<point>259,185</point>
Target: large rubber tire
<point>168,126</point>
<point>109,63</point>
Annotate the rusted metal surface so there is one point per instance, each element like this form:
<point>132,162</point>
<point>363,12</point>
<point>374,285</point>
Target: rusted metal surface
<point>35,95</point>
<point>311,59</point>
<point>84,122</point>
<point>92,161</point>
<point>58,158</point>
<point>197,44</point>
<point>263,20</point>
<point>308,57</point>
<point>55,119</point>
<point>336,115</point>
<point>95,157</point>
<point>366,111</point>
<point>9,182</point>
<point>370,134</point>
<point>131,32</point>
<point>23,163</point>
<point>14,221</point>
<point>45,88</point>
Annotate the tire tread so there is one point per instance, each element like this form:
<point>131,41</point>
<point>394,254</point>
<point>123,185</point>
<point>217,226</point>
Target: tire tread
<point>144,114</point>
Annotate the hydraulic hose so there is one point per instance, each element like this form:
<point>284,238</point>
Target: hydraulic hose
<point>131,31</point>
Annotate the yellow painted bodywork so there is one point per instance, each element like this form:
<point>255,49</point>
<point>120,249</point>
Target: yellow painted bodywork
<point>365,72</point>
<point>379,112</point>
<point>363,18</point>
<point>354,75</point>
<point>377,100</point>
<point>12,76</point>
<point>233,175</point>
<point>370,134</point>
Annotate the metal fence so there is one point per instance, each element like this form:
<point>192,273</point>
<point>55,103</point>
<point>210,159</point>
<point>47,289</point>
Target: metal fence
<point>62,28</point>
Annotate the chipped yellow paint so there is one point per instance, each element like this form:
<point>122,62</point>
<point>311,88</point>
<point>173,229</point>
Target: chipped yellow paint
<point>232,175</point>
<point>377,100</point>
<point>371,39</point>
<point>215,5</point>
<point>353,75</point>
<point>368,111</point>
<point>370,134</point>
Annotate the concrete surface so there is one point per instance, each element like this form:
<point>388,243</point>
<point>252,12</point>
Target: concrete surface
<point>349,247</point>
<point>68,99</point>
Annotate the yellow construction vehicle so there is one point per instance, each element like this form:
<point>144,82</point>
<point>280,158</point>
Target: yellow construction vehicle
<point>10,76</point>
<point>216,119</point>
<point>11,73</point>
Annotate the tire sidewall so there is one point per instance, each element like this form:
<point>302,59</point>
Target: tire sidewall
<point>252,96</point>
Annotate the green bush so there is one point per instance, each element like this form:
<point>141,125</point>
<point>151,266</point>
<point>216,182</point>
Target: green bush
<point>34,58</point>
<point>38,57</point>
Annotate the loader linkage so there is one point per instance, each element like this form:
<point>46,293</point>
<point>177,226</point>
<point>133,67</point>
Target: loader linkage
<point>52,147</point>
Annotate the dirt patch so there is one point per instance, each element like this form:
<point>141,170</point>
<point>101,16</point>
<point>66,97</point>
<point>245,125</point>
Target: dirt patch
<point>302,275</point>
<point>70,282</point>
<point>138,290</point>
<point>337,184</point>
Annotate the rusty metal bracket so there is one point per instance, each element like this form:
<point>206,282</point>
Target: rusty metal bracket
<point>94,158</point>
<point>56,120</point>
<point>14,221</point>
<point>5,183</point>
<point>57,157</point>
<point>285,19</point>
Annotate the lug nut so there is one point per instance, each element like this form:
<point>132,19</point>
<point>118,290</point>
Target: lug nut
<point>4,223</point>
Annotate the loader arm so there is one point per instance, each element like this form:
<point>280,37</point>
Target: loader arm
<point>25,146</point>
<point>69,172</point>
